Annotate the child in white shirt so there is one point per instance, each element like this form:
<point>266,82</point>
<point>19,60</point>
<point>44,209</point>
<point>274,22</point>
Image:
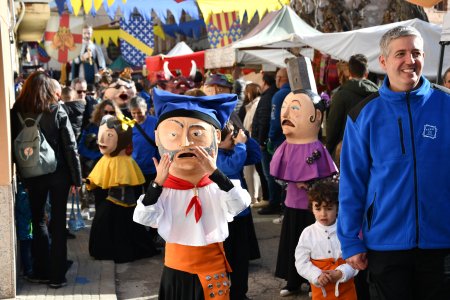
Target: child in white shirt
<point>318,256</point>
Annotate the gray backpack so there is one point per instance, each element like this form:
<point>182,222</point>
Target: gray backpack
<point>34,155</point>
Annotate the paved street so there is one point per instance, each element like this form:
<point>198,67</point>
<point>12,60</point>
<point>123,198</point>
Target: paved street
<point>91,279</point>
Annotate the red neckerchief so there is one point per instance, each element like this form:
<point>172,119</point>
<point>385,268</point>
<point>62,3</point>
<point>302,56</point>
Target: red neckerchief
<point>176,183</point>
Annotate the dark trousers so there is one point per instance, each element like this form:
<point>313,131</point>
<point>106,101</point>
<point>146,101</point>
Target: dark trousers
<point>262,178</point>
<point>409,274</point>
<point>274,188</point>
<point>49,258</point>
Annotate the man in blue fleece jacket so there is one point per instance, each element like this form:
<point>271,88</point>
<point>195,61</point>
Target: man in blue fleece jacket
<point>394,183</point>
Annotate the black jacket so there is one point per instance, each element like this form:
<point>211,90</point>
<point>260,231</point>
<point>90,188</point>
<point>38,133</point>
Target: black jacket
<point>56,127</point>
<point>75,110</point>
<point>348,95</point>
<point>261,119</point>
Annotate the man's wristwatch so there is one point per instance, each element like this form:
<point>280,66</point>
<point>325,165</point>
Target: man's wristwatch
<point>155,185</point>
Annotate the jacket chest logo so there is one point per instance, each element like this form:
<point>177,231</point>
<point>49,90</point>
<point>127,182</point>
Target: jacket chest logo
<point>429,131</point>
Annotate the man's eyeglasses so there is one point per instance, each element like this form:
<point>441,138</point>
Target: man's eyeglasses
<point>109,112</point>
<point>81,91</point>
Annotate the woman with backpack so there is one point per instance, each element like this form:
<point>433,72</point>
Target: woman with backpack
<point>47,166</point>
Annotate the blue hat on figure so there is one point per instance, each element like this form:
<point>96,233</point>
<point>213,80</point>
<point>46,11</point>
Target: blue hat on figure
<point>215,110</point>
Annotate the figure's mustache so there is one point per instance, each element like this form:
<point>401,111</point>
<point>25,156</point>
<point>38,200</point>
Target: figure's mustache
<point>173,153</point>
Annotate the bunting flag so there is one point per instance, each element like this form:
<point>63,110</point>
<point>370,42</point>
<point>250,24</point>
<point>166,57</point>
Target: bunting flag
<point>223,29</point>
<point>63,37</point>
<point>136,40</point>
<point>128,7</point>
<point>191,29</point>
<point>42,54</point>
<point>208,7</point>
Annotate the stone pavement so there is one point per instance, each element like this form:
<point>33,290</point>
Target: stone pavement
<point>93,279</point>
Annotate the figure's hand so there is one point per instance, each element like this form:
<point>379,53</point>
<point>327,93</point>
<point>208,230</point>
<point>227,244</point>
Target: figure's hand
<point>85,56</point>
<point>324,279</point>
<point>206,161</point>
<point>241,137</point>
<point>358,261</point>
<point>162,168</point>
<point>335,275</point>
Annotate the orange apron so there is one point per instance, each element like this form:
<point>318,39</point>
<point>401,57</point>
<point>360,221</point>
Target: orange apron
<point>208,262</point>
<point>347,289</point>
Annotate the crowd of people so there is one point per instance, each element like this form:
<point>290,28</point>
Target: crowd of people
<point>361,214</point>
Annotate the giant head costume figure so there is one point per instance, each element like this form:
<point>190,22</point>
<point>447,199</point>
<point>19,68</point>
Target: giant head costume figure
<point>301,116</point>
<point>116,170</point>
<point>121,90</point>
<point>185,122</point>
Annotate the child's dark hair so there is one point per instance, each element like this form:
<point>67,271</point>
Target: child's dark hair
<point>324,191</point>
<point>227,129</point>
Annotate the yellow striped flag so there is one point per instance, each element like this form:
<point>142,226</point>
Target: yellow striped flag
<point>223,29</point>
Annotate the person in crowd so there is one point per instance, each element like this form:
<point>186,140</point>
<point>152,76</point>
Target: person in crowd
<point>80,87</point>
<point>260,132</point>
<point>74,106</point>
<point>276,137</point>
<point>353,91</point>
<point>257,186</point>
<point>190,189</point>
<point>89,151</point>
<point>446,78</point>
<point>318,256</point>
<point>395,144</point>
<point>49,259</point>
<point>236,150</point>
<point>24,229</point>
<point>117,182</point>
<point>217,84</point>
<point>301,117</point>
<point>144,147</point>
<point>91,91</point>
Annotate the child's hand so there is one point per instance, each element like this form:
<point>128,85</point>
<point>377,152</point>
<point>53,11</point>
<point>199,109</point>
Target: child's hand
<point>324,279</point>
<point>334,274</point>
<point>240,138</point>
<point>162,168</point>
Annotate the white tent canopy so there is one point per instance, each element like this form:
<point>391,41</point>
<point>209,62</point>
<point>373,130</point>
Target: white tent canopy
<point>342,45</point>
<point>278,29</point>
<point>180,48</point>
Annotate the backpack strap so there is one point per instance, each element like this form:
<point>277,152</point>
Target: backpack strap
<point>36,121</point>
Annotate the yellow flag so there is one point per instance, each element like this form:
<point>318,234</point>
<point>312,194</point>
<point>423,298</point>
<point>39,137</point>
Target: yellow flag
<point>158,31</point>
<point>87,5</point>
<point>76,5</point>
<point>97,4</point>
<point>261,6</point>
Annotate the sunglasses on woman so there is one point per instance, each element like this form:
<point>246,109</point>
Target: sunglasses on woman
<point>109,112</point>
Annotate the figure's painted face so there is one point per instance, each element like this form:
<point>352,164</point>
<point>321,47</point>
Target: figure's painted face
<point>87,34</point>
<point>120,92</point>
<point>107,139</point>
<point>300,120</point>
<point>177,136</point>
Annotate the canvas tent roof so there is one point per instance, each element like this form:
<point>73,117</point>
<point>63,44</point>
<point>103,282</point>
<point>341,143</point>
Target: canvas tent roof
<point>278,29</point>
<point>342,45</point>
<point>180,48</point>
<point>228,56</point>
